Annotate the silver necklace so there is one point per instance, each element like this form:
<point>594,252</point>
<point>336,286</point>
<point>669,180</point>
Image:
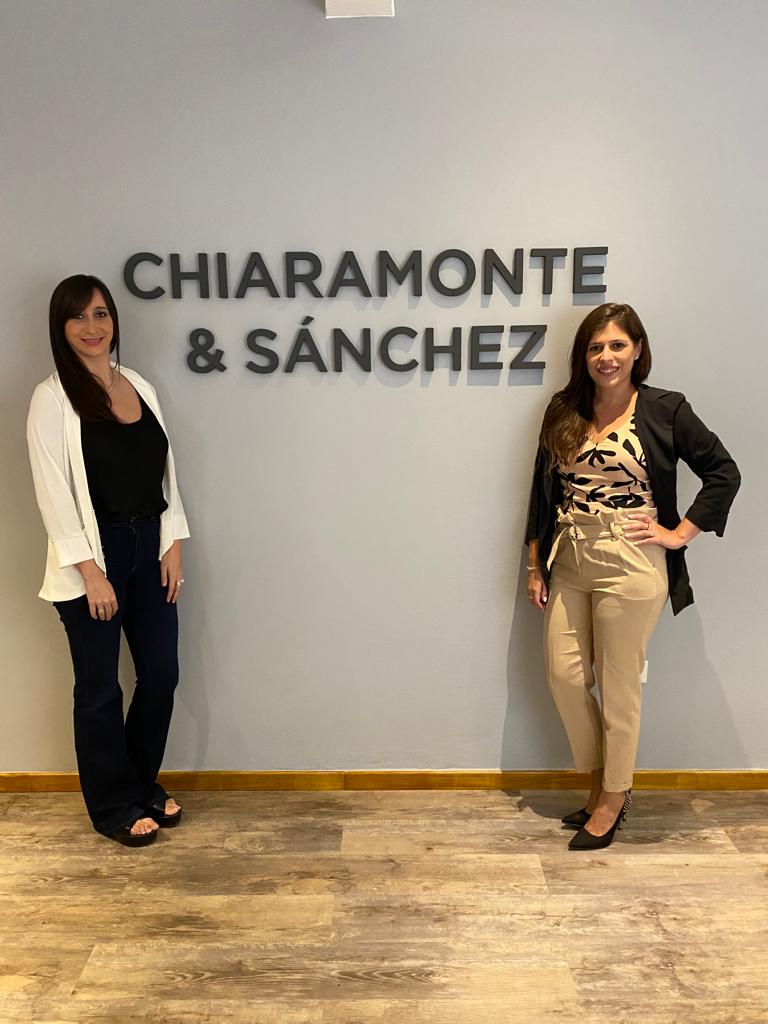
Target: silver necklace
<point>114,380</point>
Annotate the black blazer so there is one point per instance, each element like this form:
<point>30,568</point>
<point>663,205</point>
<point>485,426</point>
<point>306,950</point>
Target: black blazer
<point>669,430</point>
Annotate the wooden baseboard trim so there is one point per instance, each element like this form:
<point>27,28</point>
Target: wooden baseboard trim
<point>186,781</point>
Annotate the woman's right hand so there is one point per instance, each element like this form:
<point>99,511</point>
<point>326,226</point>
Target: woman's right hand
<point>102,603</point>
<point>537,589</point>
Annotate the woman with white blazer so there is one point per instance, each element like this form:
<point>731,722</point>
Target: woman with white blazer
<point>106,487</point>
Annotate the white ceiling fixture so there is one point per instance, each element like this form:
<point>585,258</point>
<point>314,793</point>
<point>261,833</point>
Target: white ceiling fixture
<point>359,8</point>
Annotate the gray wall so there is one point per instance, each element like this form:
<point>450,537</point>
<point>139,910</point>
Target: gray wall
<point>355,594</point>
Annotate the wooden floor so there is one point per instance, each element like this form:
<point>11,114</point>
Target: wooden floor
<point>387,908</point>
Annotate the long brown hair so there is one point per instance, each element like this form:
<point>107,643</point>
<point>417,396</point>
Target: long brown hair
<point>569,414</point>
<point>71,296</point>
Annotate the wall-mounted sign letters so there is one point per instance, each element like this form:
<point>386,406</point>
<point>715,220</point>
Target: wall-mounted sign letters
<point>451,273</point>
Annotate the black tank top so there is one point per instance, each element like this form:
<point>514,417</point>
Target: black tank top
<point>125,464</point>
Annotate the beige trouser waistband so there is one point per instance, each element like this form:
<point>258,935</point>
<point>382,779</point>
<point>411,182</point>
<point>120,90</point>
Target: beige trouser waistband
<point>578,525</point>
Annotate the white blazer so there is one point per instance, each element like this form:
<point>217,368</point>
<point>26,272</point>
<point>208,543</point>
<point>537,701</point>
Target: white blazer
<point>61,487</point>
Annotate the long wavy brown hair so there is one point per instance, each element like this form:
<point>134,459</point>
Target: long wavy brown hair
<point>569,414</point>
<point>71,296</point>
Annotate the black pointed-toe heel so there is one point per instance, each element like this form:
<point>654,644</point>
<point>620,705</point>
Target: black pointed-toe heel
<point>576,819</point>
<point>157,813</point>
<point>584,840</point>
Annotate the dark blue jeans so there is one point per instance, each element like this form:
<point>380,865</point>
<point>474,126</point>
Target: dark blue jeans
<point>118,758</point>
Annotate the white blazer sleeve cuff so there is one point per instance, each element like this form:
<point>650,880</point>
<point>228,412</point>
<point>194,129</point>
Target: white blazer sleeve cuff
<point>72,550</point>
<point>180,528</point>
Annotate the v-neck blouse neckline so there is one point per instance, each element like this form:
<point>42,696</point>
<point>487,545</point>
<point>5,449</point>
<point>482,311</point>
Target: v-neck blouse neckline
<point>625,422</point>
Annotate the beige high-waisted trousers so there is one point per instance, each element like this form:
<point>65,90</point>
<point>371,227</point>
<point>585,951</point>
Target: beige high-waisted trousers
<point>605,597</point>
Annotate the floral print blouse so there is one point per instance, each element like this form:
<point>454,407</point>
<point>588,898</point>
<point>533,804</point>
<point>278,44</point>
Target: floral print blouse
<point>609,473</point>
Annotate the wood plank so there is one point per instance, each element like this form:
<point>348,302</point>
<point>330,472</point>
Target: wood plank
<point>31,966</point>
<point>105,869</point>
<point>505,836</point>
<point>749,838</point>
<point>743,816</point>
<point>730,806</point>
<point>556,926</point>
<point>167,969</point>
<point>45,808</point>
<point>277,920</point>
<point>616,869</point>
<point>514,1011</point>
<point>671,972</point>
<point>44,1010</point>
<point>335,873</point>
<point>254,811</point>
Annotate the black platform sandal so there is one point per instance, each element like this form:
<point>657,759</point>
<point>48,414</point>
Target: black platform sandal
<point>127,838</point>
<point>157,813</point>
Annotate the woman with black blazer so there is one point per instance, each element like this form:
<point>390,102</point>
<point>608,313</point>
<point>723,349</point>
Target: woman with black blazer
<point>607,545</point>
<point>106,487</point>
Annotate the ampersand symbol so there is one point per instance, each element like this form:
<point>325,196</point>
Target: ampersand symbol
<point>204,357</point>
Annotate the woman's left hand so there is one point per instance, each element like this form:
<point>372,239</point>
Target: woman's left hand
<point>170,571</point>
<point>644,530</point>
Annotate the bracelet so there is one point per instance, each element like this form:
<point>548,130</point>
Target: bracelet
<point>532,568</point>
